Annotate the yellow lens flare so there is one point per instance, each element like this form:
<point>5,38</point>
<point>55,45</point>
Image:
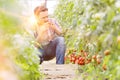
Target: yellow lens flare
<point>32,20</point>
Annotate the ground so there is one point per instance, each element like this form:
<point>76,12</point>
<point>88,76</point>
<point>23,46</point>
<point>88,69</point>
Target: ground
<point>58,72</point>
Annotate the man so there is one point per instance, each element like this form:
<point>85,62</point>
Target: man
<point>47,34</point>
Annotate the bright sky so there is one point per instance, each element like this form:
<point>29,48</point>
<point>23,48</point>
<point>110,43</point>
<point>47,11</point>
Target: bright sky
<point>29,5</point>
<point>50,4</point>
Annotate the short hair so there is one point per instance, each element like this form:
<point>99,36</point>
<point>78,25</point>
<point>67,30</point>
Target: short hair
<point>39,9</point>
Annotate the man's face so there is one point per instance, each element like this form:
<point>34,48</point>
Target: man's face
<point>43,16</point>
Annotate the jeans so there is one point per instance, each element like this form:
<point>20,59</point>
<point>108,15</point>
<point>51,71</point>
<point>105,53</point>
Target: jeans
<point>56,48</point>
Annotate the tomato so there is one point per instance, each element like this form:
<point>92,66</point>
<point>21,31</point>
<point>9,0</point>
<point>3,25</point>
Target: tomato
<point>76,61</point>
<point>81,51</point>
<point>65,58</point>
<point>98,61</point>
<point>72,59</point>
<point>85,54</point>
<point>104,67</point>
<point>80,58</point>
<point>83,59</point>
<point>94,57</point>
<point>98,56</point>
<point>86,62</point>
<point>107,52</point>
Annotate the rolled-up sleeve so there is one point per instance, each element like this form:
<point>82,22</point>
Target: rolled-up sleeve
<point>57,26</point>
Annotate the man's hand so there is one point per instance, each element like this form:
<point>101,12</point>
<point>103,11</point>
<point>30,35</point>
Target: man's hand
<point>36,44</point>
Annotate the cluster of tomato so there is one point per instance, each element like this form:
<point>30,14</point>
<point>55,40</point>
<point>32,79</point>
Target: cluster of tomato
<point>84,58</point>
<point>80,59</point>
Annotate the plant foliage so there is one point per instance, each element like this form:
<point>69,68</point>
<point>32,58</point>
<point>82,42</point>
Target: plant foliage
<point>93,26</point>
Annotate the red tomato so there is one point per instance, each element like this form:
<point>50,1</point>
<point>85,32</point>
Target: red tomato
<point>107,52</point>
<point>104,67</point>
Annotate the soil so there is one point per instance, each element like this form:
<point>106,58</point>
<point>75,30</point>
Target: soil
<point>58,72</point>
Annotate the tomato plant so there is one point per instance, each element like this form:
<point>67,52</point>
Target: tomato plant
<point>18,57</point>
<point>93,26</point>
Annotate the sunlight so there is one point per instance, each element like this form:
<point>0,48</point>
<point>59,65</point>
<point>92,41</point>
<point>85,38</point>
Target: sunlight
<point>32,20</point>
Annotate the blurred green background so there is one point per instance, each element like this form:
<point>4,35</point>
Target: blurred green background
<point>90,25</point>
<point>93,26</point>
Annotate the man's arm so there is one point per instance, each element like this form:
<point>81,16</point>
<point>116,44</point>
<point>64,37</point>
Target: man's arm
<point>55,26</point>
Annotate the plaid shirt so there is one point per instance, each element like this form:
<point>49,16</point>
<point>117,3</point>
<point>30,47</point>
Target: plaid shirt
<point>47,32</point>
